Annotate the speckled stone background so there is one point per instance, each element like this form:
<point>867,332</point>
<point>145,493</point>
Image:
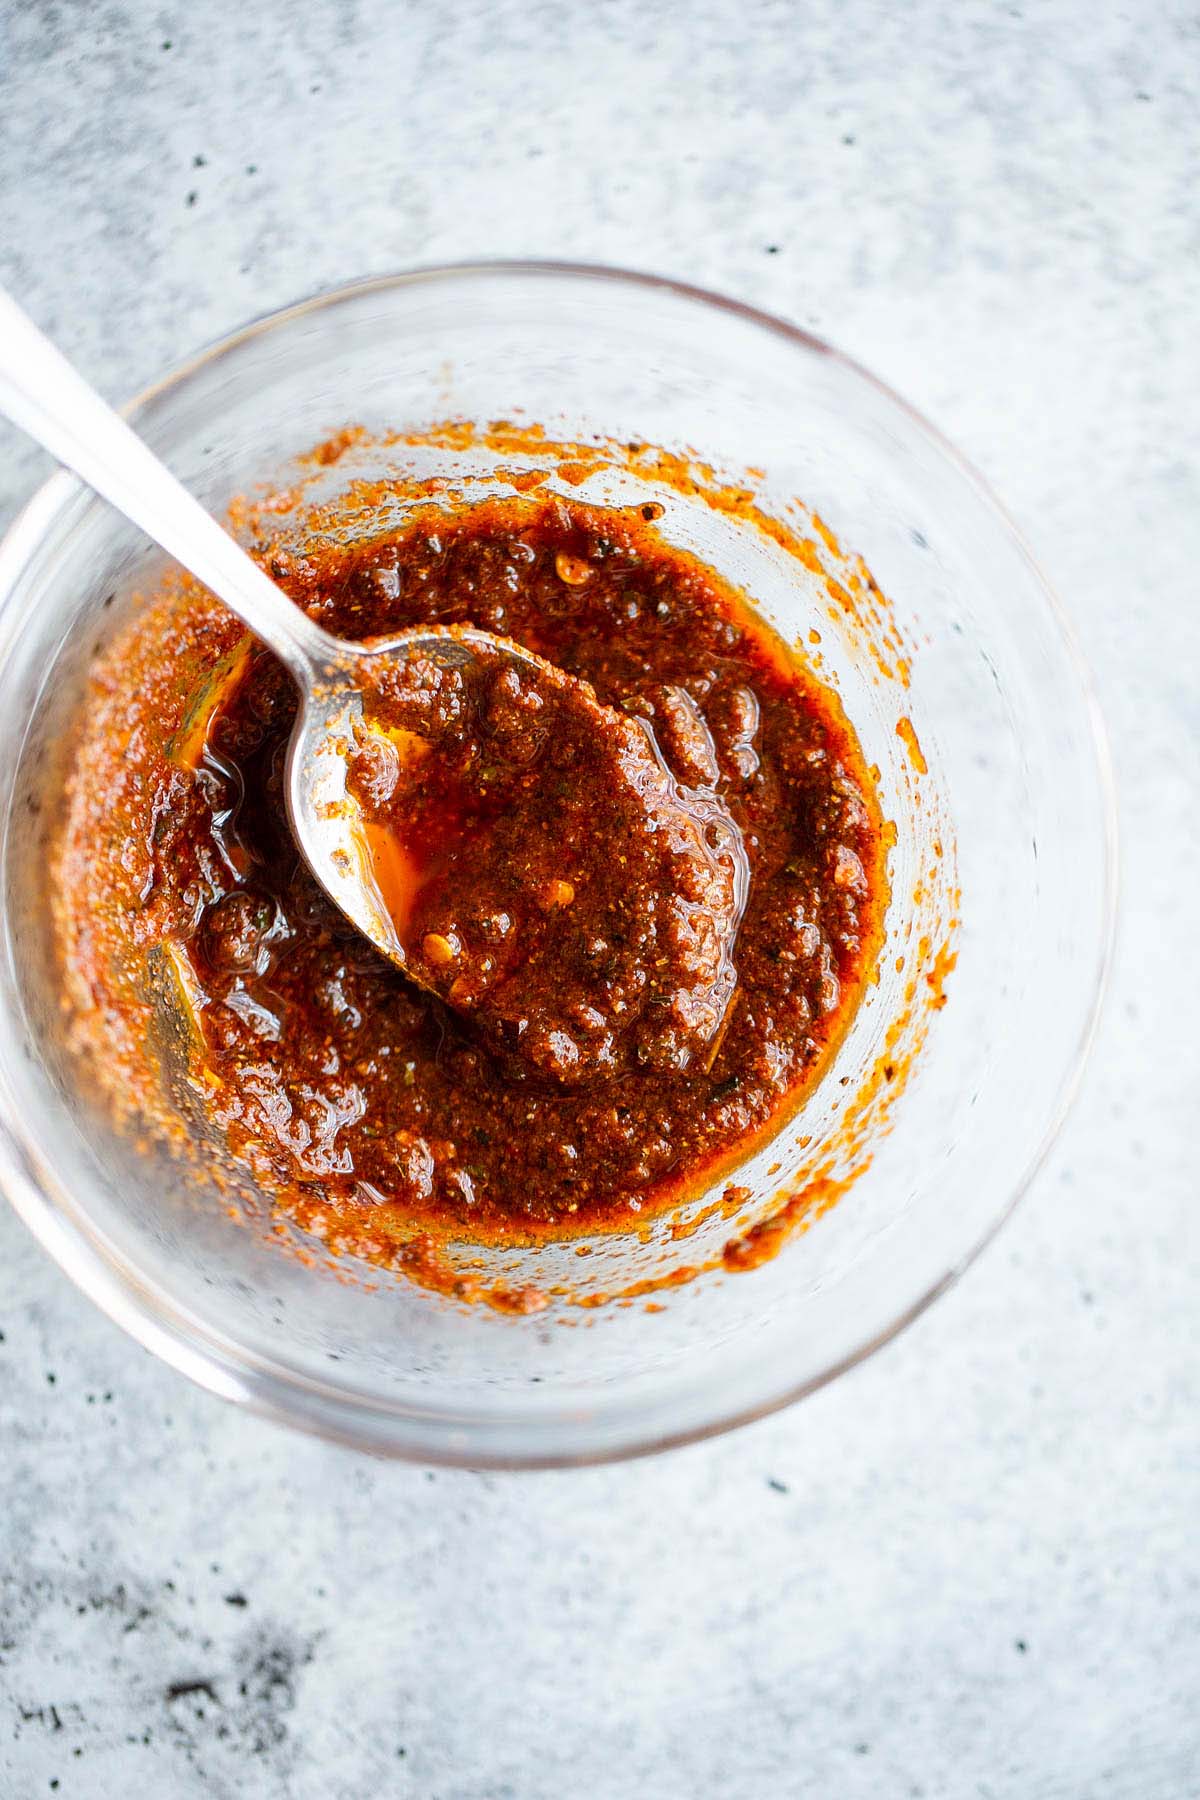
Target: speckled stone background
<point>972,1567</point>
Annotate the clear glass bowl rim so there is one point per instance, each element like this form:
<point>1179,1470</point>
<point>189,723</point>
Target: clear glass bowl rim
<point>275,1392</point>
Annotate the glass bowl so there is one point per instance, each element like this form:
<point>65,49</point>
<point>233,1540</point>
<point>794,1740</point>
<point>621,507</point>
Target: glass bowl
<point>983,676</point>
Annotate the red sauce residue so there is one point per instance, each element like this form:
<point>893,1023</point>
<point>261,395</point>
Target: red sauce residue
<point>908,737</point>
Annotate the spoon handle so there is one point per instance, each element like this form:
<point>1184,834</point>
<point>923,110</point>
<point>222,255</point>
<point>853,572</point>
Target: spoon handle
<point>45,396</point>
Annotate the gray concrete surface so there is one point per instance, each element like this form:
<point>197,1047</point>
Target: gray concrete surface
<point>971,1568</point>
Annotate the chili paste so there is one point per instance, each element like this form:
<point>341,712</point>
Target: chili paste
<point>642,893</point>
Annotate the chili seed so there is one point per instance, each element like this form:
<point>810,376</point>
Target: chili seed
<point>555,893</point>
<point>440,950</point>
<point>572,569</point>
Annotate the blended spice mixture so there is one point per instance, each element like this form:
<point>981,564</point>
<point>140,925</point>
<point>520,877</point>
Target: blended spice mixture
<point>643,889</point>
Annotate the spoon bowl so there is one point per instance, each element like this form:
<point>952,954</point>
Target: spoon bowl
<point>683,854</point>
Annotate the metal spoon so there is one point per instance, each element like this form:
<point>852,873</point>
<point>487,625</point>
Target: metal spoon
<point>45,396</point>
